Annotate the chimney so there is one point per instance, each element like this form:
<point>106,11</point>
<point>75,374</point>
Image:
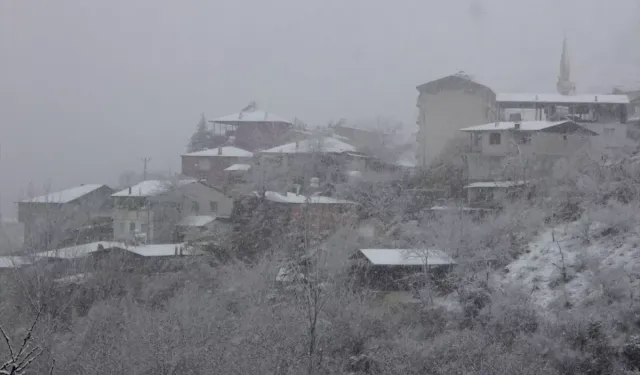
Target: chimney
<point>297,145</point>
<point>220,151</point>
<point>129,190</point>
<point>516,126</point>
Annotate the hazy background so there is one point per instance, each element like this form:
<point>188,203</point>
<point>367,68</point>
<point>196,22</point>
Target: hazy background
<point>88,88</point>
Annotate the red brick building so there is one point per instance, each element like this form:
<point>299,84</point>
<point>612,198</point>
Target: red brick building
<point>210,165</point>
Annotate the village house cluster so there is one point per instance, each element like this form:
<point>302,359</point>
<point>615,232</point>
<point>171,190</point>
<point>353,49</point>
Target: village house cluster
<point>506,141</point>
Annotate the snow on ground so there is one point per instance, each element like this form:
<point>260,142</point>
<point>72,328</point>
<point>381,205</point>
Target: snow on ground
<point>604,263</point>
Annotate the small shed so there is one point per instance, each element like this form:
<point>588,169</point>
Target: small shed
<point>192,227</point>
<point>491,194</point>
<point>400,269</point>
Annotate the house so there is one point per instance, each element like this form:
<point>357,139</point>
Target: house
<point>508,147</point>
<point>399,269</point>
<point>255,129</point>
<point>48,219</point>
<point>445,106</point>
<point>320,214</point>
<point>151,209</point>
<point>112,256</point>
<point>326,158</point>
<point>605,115</point>
<point>211,165</point>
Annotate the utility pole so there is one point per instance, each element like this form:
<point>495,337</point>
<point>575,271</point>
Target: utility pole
<point>145,161</point>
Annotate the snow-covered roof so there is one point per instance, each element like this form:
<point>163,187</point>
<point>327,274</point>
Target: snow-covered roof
<point>301,199</point>
<point>159,250</point>
<point>511,125</point>
<point>495,184</point>
<point>407,257</point>
<point>78,251</point>
<point>226,151</point>
<point>238,167</point>
<point>74,279</point>
<point>255,116</point>
<point>559,98</point>
<point>81,251</point>
<point>14,261</point>
<point>196,221</point>
<point>65,196</point>
<point>323,144</point>
<point>151,188</point>
<point>453,208</point>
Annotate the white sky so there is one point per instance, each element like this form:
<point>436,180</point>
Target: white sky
<point>87,88</point>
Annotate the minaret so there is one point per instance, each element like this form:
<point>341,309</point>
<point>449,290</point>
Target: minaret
<point>564,84</point>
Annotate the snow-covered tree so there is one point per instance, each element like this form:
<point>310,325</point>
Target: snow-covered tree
<point>203,138</point>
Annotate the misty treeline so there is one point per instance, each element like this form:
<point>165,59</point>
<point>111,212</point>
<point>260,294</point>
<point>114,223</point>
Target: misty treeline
<point>226,312</point>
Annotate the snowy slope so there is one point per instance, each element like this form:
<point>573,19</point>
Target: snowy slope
<point>605,267</point>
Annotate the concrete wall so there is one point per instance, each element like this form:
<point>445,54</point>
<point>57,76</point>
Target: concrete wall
<point>611,135</point>
<point>45,223</point>
<point>489,162</point>
<point>441,116</point>
<point>167,210</point>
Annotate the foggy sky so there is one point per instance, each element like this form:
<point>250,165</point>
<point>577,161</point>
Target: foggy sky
<point>88,88</point>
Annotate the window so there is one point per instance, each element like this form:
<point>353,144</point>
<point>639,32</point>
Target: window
<point>143,228</point>
<point>608,132</point>
<point>195,208</point>
<point>132,227</point>
<point>122,227</point>
<point>495,138</point>
<point>213,206</point>
<point>564,137</point>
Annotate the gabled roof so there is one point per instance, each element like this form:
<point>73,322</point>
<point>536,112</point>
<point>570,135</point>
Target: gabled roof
<point>65,196</point>
<point>223,151</point>
<point>456,81</point>
<point>407,257</point>
<point>151,188</point>
<point>562,99</point>
<point>320,145</point>
<point>566,126</point>
<point>255,116</point>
